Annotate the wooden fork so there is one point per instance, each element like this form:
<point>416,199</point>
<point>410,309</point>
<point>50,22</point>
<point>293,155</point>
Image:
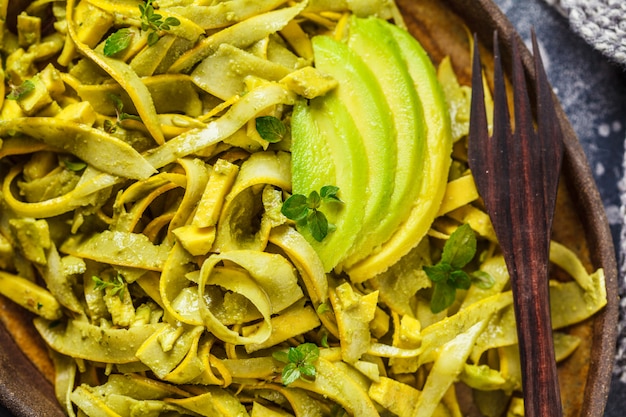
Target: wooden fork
<point>517,173</point>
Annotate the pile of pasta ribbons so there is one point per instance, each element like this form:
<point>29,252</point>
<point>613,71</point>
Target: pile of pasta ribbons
<point>141,223</point>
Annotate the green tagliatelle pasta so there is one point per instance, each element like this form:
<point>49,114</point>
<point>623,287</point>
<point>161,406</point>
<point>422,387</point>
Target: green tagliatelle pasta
<point>142,222</point>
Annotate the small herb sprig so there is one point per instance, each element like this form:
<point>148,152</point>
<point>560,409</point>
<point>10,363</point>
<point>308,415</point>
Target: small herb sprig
<point>153,22</point>
<point>306,210</point>
<point>270,128</point>
<point>448,276</point>
<point>110,127</point>
<point>300,362</point>
<point>117,285</point>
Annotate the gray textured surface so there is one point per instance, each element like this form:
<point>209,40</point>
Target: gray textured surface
<point>601,23</point>
<point>592,89</point>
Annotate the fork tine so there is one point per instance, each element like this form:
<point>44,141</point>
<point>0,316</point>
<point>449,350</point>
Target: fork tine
<point>548,127</point>
<point>478,117</point>
<point>501,115</point>
<point>524,129</point>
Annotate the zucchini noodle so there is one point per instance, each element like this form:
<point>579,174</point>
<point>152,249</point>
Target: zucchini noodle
<point>141,223</point>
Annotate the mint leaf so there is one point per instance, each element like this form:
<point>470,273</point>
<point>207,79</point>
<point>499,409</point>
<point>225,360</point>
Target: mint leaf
<point>329,193</point>
<point>308,370</point>
<point>300,362</point>
<point>314,200</point>
<point>439,272</point>
<point>310,352</point>
<point>290,374</point>
<point>306,211</point>
<point>459,279</point>
<point>270,128</point>
<point>447,275</point>
<point>482,279</point>
<point>460,247</point>
<point>281,356</point>
<point>117,42</point>
<point>295,207</point>
<point>169,21</point>
<point>153,38</point>
<point>318,224</point>
<point>444,295</point>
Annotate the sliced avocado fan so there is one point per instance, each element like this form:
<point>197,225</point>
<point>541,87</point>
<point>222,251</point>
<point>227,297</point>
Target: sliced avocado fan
<point>383,137</point>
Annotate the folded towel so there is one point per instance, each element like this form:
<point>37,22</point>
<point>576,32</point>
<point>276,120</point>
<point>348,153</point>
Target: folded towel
<point>602,23</point>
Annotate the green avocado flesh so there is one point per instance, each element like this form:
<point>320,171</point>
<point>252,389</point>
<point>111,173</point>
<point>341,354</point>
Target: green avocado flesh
<point>383,137</point>
<point>371,39</point>
<point>341,162</point>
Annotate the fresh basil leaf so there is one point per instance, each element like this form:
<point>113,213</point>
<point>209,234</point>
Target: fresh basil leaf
<point>270,128</point>
<point>305,211</point>
<point>117,42</point>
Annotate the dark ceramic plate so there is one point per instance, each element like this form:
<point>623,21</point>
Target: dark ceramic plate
<point>442,27</point>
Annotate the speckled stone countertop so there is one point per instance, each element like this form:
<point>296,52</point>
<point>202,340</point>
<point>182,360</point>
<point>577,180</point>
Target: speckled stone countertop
<point>592,90</point>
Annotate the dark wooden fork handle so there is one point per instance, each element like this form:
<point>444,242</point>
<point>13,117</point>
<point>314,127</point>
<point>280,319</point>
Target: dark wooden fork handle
<point>516,172</point>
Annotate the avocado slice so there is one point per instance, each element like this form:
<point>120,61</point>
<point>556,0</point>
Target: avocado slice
<point>354,119</point>
<point>326,151</point>
<point>435,166</point>
<point>371,39</point>
<point>360,92</point>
